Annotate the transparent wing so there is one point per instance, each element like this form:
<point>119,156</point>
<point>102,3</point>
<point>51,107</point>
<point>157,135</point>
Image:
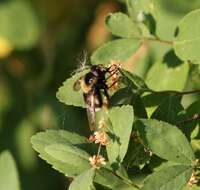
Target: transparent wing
<point>90,108</point>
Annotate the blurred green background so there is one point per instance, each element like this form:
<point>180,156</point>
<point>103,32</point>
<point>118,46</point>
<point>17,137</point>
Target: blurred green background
<point>40,46</point>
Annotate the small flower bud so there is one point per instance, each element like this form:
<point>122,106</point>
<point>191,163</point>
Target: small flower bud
<point>91,138</point>
<point>102,124</point>
<point>193,179</point>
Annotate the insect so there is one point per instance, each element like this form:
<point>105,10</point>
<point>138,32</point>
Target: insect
<point>95,90</point>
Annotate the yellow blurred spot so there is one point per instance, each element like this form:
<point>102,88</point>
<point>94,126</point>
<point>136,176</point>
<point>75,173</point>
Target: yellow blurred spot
<point>151,5</point>
<point>5,47</point>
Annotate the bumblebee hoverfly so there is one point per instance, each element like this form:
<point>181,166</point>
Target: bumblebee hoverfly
<point>95,90</point>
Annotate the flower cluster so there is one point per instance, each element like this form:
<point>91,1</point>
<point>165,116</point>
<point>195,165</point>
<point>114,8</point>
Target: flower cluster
<point>97,161</point>
<point>99,137</point>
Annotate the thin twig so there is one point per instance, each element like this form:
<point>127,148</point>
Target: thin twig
<point>175,92</point>
<point>195,117</point>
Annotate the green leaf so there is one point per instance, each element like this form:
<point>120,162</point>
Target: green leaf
<point>121,172</point>
<point>42,140</point>
<point>50,138</point>
<point>126,187</point>
<point>195,132</point>
<point>19,24</point>
<point>136,83</point>
<point>169,110</point>
<point>187,43</point>
<point>122,96</point>
<point>121,25</point>
<point>166,20</point>
<point>166,141</point>
<point>150,22</point>
<point>67,95</point>
<point>138,106</point>
<point>191,111</point>
<point>162,77</point>
<point>137,7</point>
<point>8,176</point>
<point>180,6</point>
<point>196,146</point>
<point>136,155</point>
<point>194,187</point>
<point>170,178</point>
<point>122,120</point>
<point>67,153</point>
<point>119,50</point>
<point>110,180</point>
<point>155,99</point>
<point>83,181</point>
<point>195,76</point>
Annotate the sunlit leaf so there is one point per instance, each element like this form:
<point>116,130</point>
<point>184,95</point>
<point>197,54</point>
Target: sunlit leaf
<point>121,25</point>
<point>42,140</point>
<point>69,154</point>
<point>67,95</point>
<point>119,50</point>
<point>136,7</point>
<point>162,77</point>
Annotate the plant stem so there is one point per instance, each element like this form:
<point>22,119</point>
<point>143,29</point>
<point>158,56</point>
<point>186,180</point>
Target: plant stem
<point>99,149</point>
